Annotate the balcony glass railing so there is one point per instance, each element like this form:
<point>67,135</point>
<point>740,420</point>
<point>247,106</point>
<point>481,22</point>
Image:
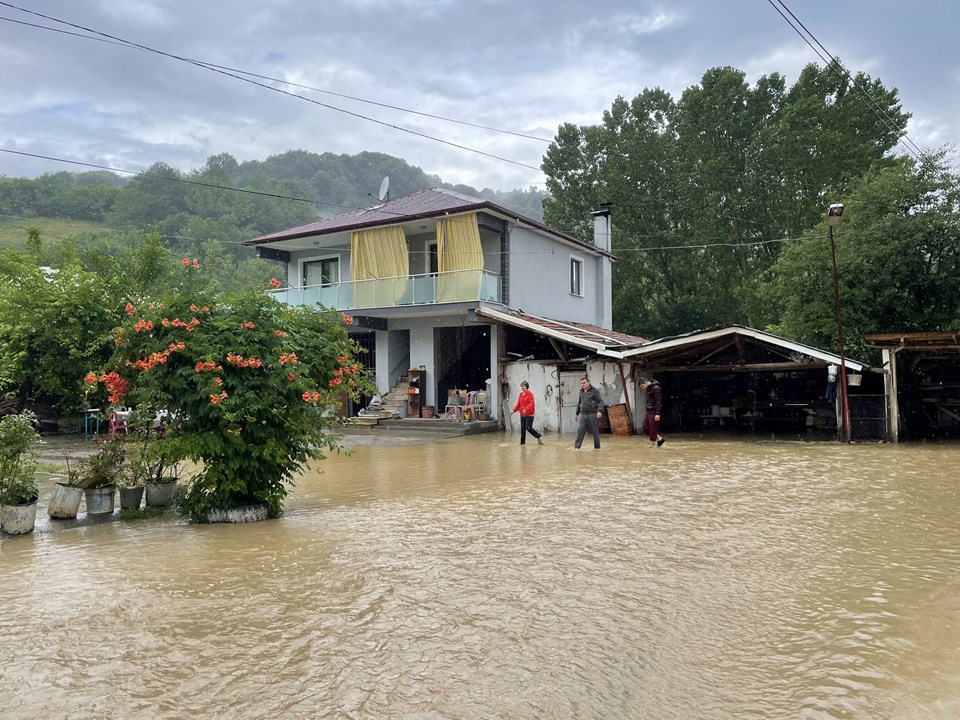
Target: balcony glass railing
<point>429,289</point>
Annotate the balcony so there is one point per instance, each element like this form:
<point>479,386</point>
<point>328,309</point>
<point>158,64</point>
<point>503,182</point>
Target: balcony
<point>411,290</point>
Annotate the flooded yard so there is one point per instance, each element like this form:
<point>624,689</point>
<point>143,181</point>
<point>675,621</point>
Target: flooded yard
<point>473,578</point>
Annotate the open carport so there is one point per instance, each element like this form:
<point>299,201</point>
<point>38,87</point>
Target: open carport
<point>922,383</point>
<point>737,379</point>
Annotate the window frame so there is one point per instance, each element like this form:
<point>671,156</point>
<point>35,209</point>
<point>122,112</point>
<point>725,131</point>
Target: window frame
<point>576,276</point>
<point>320,259</point>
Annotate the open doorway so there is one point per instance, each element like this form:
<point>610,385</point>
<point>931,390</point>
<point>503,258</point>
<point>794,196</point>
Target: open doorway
<point>463,359</point>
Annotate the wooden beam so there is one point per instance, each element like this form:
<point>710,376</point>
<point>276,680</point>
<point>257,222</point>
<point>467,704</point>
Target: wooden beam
<point>559,349</point>
<point>784,366</point>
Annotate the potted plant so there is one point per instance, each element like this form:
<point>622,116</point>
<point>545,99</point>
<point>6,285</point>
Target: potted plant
<point>18,488</point>
<point>65,497</point>
<point>99,473</point>
<point>131,486</point>
<point>151,468</point>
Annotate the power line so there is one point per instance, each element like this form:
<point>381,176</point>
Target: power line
<point>287,82</point>
<point>851,79</point>
<point>833,64</point>
<point>138,173</point>
<point>234,75</point>
<point>619,251</point>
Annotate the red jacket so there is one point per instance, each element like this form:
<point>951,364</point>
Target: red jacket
<point>525,404</point>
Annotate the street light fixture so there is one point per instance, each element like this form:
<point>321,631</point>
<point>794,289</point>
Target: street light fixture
<point>833,218</point>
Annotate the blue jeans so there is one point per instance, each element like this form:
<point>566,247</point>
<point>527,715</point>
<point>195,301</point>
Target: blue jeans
<point>591,421</point>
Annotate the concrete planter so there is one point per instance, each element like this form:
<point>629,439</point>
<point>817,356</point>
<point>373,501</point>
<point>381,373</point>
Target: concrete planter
<point>245,514</point>
<point>64,501</point>
<point>18,519</point>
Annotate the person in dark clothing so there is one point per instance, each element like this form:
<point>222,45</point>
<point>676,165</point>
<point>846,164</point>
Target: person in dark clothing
<point>589,412</point>
<point>526,406</point>
<point>651,420</point>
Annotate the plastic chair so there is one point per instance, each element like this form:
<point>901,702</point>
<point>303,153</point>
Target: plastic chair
<point>118,420</point>
<point>454,409</point>
<point>481,405</point>
<point>476,403</point>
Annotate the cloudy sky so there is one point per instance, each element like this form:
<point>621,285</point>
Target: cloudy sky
<point>523,66</point>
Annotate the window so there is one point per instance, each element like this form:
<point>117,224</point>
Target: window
<point>576,277</point>
<point>433,260</point>
<point>321,272</point>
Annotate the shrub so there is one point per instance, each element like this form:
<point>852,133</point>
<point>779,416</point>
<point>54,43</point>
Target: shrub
<point>17,434</point>
<point>249,385</point>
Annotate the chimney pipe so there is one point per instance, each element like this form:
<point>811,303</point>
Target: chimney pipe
<point>602,226</point>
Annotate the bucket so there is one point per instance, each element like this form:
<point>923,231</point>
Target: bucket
<point>161,494</point>
<point>64,501</point>
<point>100,501</point>
<point>427,411</point>
<point>853,379</point>
<point>130,497</point>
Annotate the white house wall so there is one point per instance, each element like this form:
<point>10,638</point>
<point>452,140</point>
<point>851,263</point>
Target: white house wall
<point>544,379</point>
<point>605,376</point>
<point>540,278</point>
<point>545,389</point>
<point>422,351</point>
<point>298,258</point>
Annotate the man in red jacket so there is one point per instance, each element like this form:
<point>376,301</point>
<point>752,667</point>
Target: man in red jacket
<point>526,407</point>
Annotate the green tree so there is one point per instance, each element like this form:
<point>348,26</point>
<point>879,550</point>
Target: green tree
<point>898,259</point>
<point>704,187</point>
<point>52,324</point>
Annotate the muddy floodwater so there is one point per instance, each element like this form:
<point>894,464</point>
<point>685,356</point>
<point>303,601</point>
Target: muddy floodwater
<point>473,578</point>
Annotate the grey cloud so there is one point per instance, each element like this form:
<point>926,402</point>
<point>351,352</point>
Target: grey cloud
<point>521,66</point>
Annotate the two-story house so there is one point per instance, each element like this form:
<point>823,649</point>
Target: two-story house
<point>418,272</point>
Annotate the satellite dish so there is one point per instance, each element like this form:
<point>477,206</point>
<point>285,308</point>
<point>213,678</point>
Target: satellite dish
<point>385,188</point>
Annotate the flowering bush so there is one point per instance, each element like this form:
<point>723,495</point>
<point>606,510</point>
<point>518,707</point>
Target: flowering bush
<point>249,385</point>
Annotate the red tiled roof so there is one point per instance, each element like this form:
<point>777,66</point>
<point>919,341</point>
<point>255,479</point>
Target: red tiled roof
<point>424,204</point>
<point>575,333</point>
<point>409,207</point>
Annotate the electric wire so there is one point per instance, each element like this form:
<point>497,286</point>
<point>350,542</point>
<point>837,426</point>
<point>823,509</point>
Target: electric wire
<point>288,82</point>
<point>851,79</point>
<point>832,64</point>
<point>275,89</point>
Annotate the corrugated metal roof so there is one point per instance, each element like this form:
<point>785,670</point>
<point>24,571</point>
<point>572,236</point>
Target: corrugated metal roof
<point>423,204</point>
<point>668,345</point>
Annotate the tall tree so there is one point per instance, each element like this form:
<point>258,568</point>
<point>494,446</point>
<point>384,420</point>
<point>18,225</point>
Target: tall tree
<point>898,257</point>
<point>705,187</point>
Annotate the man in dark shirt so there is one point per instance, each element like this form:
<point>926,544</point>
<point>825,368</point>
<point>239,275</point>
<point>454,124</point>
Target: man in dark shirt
<point>589,412</point>
<point>651,421</point>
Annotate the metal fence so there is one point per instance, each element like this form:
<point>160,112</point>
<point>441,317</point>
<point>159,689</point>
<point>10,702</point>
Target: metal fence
<point>868,417</point>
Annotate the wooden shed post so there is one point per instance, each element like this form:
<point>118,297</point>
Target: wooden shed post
<point>890,388</point>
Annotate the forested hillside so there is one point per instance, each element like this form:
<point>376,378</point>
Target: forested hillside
<point>66,214</point>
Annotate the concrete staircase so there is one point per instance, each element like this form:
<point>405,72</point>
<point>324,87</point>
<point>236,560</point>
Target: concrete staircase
<point>392,403</point>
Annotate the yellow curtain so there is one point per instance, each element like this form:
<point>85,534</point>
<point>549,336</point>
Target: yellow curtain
<point>379,265</point>
<point>460,258</point>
